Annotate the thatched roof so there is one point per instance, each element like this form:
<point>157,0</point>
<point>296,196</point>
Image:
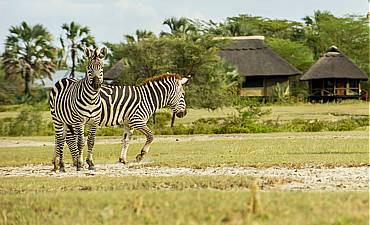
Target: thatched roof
<point>334,64</point>
<point>253,58</point>
<point>115,70</point>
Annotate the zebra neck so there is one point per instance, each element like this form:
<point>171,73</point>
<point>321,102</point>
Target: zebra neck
<point>87,93</point>
<point>156,95</point>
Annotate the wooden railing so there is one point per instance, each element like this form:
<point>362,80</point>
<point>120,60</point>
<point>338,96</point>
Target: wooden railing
<point>335,91</point>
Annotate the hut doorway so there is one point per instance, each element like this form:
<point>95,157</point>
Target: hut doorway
<point>341,87</point>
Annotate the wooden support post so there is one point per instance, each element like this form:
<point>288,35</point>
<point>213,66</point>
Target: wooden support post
<point>359,88</point>
<point>322,88</point>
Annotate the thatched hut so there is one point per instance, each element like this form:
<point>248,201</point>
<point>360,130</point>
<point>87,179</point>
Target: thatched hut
<point>333,76</point>
<point>260,68</point>
<point>114,71</point>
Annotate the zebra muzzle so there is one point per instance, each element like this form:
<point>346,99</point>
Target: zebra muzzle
<point>96,83</point>
<point>181,114</point>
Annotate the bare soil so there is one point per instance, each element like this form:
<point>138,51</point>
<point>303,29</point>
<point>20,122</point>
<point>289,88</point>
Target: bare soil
<point>305,179</point>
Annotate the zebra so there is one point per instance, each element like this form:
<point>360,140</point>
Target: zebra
<point>74,103</point>
<point>131,106</point>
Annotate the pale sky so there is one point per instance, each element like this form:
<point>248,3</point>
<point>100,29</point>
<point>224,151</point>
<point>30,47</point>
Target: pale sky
<point>109,20</point>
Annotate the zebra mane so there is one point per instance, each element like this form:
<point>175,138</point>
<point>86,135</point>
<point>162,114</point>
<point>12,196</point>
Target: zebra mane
<point>162,77</point>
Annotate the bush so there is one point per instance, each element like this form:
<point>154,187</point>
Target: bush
<point>299,125</point>
<point>107,131</point>
<point>27,123</point>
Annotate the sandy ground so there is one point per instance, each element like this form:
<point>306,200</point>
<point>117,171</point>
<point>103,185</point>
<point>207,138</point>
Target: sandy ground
<point>285,179</point>
<point>304,179</point>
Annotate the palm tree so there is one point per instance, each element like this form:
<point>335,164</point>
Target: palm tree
<point>140,34</point>
<point>79,38</point>
<point>29,52</point>
<point>179,27</point>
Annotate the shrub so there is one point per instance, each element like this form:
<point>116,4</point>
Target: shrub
<point>27,123</point>
<point>345,125</point>
<point>107,131</point>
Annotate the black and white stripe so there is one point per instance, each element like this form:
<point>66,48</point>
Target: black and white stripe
<point>131,106</point>
<point>74,103</point>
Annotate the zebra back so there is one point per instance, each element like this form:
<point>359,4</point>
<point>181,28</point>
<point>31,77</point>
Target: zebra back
<point>129,104</point>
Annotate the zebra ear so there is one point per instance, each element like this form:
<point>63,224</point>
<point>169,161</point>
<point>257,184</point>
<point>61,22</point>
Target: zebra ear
<point>102,53</point>
<point>184,80</point>
<point>89,53</point>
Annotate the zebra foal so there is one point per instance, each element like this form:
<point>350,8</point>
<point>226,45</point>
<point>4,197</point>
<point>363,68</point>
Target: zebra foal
<point>72,104</point>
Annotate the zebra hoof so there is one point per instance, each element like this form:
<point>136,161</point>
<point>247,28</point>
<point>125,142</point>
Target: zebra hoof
<point>90,163</point>
<point>139,157</point>
<point>122,161</point>
<point>79,168</point>
<point>91,168</point>
<point>62,170</point>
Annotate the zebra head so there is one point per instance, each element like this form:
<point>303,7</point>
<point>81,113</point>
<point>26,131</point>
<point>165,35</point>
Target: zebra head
<point>178,103</point>
<point>95,66</point>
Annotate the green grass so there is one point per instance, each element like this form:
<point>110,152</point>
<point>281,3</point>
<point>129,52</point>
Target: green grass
<point>169,200</point>
<point>284,113</point>
<point>260,150</point>
<point>14,185</point>
<point>329,111</point>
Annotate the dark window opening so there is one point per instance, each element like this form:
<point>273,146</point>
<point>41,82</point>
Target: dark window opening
<point>252,82</point>
<point>329,84</point>
<point>316,84</point>
<point>353,83</point>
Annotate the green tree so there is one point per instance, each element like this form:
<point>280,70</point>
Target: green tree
<point>296,53</point>
<point>143,59</point>
<point>195,55</point>
<point>9,88</point>
<point>246,25</point>
<point>77,37</point>
<point>29,53</point>
<point>179,27</point>
<point>140,34</point>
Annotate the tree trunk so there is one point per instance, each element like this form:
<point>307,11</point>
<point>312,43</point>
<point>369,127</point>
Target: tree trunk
<point>73,55</point>
<point>27,80</point>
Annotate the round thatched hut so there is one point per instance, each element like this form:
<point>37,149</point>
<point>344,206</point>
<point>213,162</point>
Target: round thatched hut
<point>333,76</point>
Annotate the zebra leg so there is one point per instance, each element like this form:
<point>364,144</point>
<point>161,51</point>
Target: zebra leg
<point>90,145</point>
<point>125,143</point>
<point>58,149</point>
<point>149,139</point>
<point>80,145</point>
<point>72,144</point>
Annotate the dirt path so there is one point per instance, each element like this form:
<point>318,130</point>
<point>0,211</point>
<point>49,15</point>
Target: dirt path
<point>307,179</point>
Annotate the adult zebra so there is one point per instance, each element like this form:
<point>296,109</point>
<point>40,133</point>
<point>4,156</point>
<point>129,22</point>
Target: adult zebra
<point>72,104</point>
<point>131,106</point>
